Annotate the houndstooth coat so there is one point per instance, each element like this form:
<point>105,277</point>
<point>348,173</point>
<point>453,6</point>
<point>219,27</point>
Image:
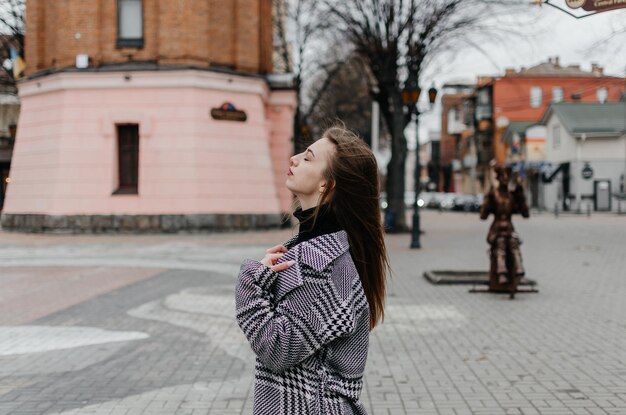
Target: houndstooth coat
<point>309,328</point>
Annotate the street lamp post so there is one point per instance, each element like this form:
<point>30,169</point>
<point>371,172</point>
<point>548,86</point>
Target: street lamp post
<point>410,97</point>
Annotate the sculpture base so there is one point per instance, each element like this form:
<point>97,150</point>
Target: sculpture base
<point>455,277</point>
<point>505,291</point>
<point>446,277</point>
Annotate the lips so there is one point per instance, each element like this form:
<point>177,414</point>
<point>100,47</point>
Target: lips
<point>289,173</point>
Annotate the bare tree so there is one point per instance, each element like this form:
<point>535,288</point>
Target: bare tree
<point>345,96</point>
<point>11,33</point>
<point>397,40</point>
<point>613,45</point>
<point>300,36</point>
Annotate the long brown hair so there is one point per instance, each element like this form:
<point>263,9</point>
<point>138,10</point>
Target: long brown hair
<point>353,195</point>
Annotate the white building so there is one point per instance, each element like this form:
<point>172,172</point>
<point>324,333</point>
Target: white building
<point>586,146</point>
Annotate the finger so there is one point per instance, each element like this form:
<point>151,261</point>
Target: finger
<point>277,248</point>
<point>283,266</point>
<point>274,256</point>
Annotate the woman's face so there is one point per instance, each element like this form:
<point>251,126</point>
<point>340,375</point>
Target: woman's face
<point>305,176</point>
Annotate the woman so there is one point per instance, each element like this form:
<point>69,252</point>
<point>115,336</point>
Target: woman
<point>308,306</point>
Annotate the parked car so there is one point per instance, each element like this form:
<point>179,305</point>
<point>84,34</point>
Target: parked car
<point>409,199</point>
<point>467,203</point>
<point>441,200</point>
<point>435,200</point>
<point>447,201</point>
<point>425,198</point>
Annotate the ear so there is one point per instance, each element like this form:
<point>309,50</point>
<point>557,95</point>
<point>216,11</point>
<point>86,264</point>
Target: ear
<point>324,185</point>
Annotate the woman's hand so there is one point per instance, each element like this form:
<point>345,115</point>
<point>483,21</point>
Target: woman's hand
<point>274,254</point>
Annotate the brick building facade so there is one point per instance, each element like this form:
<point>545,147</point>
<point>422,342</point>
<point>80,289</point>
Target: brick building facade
<point>233,34</point>
<point>452,128</point>
<point>525,95</point>
<point>149,115</point>
<point>503,106</point>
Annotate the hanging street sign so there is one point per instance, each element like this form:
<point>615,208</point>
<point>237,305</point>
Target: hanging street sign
<point>583,8</point>
<point>597,5</point>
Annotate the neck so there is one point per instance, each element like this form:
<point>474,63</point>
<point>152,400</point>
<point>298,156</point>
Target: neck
<point>308,202</point>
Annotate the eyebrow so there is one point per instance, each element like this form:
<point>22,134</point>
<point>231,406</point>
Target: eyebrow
<point>311,151</point>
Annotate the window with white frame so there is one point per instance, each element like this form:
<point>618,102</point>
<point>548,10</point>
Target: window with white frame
<point>535,96</point>
<point>602,94</point>
<point>556,136</point>
<point>557,94</point>
<point>130,23</point>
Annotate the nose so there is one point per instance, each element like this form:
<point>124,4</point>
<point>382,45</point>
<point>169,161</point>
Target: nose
<point>294,159</point>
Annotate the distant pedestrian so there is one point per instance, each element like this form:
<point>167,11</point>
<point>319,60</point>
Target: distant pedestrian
<point>308,306</point>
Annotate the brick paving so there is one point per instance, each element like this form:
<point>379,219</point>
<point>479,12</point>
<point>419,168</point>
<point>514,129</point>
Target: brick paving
<point>29,293</point>
<point>143,324</point>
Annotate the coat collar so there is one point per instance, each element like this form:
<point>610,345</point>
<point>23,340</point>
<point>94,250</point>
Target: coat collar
<point>318,252</point>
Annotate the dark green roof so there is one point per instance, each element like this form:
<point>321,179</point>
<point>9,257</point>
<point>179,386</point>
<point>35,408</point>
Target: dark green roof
<point>608,119</point>
<point>516,127</point>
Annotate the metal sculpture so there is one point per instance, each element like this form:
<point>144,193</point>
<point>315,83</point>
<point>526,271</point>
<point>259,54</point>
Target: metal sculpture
<point>506,270</point>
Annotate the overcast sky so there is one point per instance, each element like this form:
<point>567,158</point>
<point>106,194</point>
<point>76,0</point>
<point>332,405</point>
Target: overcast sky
<point>554,34</point>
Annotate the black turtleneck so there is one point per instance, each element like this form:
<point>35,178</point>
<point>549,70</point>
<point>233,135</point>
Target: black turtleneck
<point>326,223</point>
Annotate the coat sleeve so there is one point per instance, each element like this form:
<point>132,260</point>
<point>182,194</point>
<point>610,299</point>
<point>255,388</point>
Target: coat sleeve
<point>306,319</point>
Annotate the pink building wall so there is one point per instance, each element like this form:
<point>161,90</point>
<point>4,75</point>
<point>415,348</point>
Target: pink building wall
<point>280,113</point>
<point>65,155</point>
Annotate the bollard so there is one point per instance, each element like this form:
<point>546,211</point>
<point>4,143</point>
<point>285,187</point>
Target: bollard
<point>588,209</point>
<point>556,209</point>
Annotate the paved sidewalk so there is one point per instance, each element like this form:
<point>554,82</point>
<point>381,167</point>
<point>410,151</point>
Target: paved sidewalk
<point>124,325</point>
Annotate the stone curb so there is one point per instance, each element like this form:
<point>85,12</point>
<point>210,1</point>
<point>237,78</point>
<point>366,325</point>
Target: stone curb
<point>134,224</point>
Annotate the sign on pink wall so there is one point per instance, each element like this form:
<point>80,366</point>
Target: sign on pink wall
<point>228,112</point>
